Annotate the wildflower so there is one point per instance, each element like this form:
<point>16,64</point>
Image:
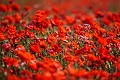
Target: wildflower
<point>29,34</point>
<point>99,14</point>
<point>102,41</point>
<point>34,48</point>
<point>70,20</point>
<point>43,44</point>
<point>23,54</point>
<point>11,30</point>
<point>40,16</point>
<point>91,57</point>
<point>39,76</point>
<point>6,46</point>
<point>68,29</point>
<point>27,8</point>
<point>9,8</point>
<point>12,77</point>
<point>2,37</point>
<point>17,17</point>
<point>52,39</point>
<point>10,19</point>
<point>116,74</point>
<point>11,61</point>
<point>56,21</point>
<point>3,8</point>
<point>70,58</point>
<point>26,73</point>
<point>33,65</point>
<point>55,9</point>
<point>16,7</point>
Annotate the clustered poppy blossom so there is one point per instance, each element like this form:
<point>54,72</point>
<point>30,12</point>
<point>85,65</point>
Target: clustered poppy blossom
<point>70,40</point>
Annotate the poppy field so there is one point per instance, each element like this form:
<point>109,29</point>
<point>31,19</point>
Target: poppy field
<point>60,40</point>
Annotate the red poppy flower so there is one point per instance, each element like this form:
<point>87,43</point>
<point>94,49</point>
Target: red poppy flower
<point>68,29</point>
<point>33,65</point>
<point>74,44</point>
<point>40,16</point>
<point>35,48</point>
<point>55,9</point>
<point>12,77</point>
<point>103,51</point>
<point>2,37</point>
<point>27,8</point>
<point>56,48</point>
<point>23,55</point>
<point>16,7</point>
<point>3,8</point>
<point>26,73</point>
<point>43,44</point>
<point>39,76</point>
<point>99,14</point>
<point>52,39</point>
<point>116,74</point>
<point>9,7</point>
<point>11,30</point>
<point>102,41</point>
<point>70,20</point>
<point>70,58</point>
<point>78,73</point>
<point>10,19</point>
<point>29,34</point>
<point>6,46</point>
<point>56,21</point>
<point>11,61</point>
<point>17,17</point>
<point>91,57</point>
<point>106,21</point>
<point>103,74</point>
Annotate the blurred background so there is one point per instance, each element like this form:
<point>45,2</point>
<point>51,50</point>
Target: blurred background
<point>65,5</point>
